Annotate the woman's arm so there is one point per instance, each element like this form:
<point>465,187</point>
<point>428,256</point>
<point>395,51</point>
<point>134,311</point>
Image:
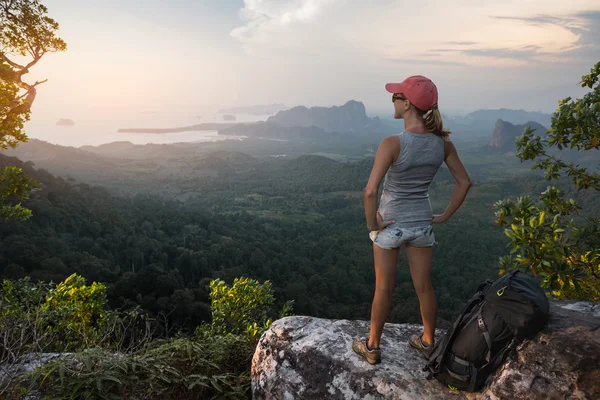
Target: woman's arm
<point>463,183</point>
<point>383,159</point>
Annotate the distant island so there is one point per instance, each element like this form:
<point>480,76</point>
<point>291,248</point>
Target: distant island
<point>228,117</point>
<point>65,122</point>
<point>192,128</point>
<point>298,122</point>
<point>260,109</point>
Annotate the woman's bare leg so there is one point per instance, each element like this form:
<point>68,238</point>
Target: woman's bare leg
<point>385,278</point>
<point>419,259</point>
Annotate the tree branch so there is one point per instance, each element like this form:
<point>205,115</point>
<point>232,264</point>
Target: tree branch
<point>572,170</point>
<point>37,58</point>
<point>21,108</point>
<point>10,62</point>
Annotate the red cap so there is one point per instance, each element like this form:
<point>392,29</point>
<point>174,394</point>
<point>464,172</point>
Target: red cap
<point>420,91</point>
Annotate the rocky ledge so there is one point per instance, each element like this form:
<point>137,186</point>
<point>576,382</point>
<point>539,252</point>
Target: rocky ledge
<point>311,358</point>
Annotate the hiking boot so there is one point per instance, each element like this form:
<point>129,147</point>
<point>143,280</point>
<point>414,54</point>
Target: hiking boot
<point>372,356</point>
<point>418,343</point>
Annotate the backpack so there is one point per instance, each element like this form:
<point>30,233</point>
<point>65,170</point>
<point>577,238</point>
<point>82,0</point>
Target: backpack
<point>497,318</point>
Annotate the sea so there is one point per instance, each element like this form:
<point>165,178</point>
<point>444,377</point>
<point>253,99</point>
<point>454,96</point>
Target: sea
<point>93,129</point>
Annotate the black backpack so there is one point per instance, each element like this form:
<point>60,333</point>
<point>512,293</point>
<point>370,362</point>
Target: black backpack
<point>496,319</point>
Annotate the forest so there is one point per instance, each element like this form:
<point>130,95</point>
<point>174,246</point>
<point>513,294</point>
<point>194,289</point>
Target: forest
<point>299,224</point>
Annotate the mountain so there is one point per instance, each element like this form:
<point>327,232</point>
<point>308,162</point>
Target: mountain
<point>351,117</point>
<point>505,134</point>
<point>110,149</point>
<point>513,116</point>
<point>128,168</point>
<point>260,109</point>
<point>46,153</point>
<point>476,126</point>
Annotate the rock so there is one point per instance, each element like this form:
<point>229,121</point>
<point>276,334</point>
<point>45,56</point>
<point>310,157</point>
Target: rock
<point>505,133</point>
<point>13,373</point>
<point>311,358</point>
<point>65,122</point>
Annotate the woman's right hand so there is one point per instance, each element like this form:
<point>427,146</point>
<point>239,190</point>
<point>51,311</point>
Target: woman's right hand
<point>381,224</point>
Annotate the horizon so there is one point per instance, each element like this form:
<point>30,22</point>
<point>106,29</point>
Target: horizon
<point>309,52</point>
<point>95,131</point>
<point>185,58</point>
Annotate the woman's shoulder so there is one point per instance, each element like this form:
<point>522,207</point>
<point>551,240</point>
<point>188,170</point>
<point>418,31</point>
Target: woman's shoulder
<point>444,136</point>
<point>392,140</point>
<point>391,145</point>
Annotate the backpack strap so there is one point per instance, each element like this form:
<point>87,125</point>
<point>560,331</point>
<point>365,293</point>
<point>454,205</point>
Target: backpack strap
<point>483,287</point>
<point>486,335</point>
<point>501,355</point>
<point>464,378</point>
<point>473,381</point>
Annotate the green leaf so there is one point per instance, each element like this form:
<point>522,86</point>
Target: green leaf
<point>542,217</point>
<point>112,379</point>
<point>216,385</point>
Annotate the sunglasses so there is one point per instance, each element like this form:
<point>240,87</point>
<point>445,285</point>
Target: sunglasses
<point>397,97</point>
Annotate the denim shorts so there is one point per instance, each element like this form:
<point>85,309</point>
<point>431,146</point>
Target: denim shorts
<point>392,236</point>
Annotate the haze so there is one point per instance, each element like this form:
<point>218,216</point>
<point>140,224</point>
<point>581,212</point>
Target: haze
<point>167,63</point>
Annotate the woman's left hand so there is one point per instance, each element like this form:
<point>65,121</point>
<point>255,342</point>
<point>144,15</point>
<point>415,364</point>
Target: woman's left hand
<point>438,219</point>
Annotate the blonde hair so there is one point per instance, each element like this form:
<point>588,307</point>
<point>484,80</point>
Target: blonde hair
<point>433,120</point>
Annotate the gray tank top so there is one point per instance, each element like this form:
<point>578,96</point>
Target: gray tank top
<point>405,196</point>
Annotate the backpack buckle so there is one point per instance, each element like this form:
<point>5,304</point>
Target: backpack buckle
<point>481,324</point>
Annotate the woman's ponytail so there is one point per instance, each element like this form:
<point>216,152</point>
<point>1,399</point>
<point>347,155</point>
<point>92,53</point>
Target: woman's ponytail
<point>433,120</point>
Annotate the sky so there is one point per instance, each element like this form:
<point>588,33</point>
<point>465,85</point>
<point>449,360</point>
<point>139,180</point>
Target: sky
<point>197,56</point>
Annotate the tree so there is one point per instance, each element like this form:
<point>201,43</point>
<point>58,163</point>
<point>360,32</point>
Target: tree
<point>552,239</point>
<point>27,34</point>
<point>244,307</point>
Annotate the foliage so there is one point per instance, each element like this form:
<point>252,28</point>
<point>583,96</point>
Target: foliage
<point>75,310</point>
<point>14,185</point>
<point>26,32</point>
<point>215,366</point>
<point>241,308</point>
<point>551,239</point>
<point>214,363</point>
<point>44,317</point>
<point>21,323</point>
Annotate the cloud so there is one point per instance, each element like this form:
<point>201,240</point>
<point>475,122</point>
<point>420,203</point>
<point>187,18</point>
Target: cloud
<point>540,20</point>
<point>522,53</point>
<point>460,43</point>
<point>436,62</point>
<point>343,31</point>
<point>584,26</point>
<point>266,19</point>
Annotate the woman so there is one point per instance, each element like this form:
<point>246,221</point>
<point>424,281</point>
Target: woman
<point>409,162</point>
